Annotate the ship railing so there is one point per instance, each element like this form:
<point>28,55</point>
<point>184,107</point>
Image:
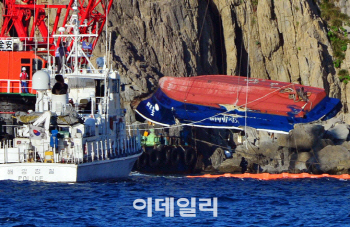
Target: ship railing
<point>108,149</point>
<point>15,86</point>
<point>83,70</point>
<point>11,154</point>
<point>96,151</point>
<point>4,147</point>
<point>25,43</point>
<point>128,146</point>
<point>164,140</point>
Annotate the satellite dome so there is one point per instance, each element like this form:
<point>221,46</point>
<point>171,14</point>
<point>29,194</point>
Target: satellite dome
<point>41,80</point>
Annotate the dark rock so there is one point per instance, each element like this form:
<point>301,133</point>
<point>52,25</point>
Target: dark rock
<point>231,165</point>
<point>331,159</point>
<point>276,162</point>
<point>217,157</point>
<point>299,162</point>
<point>302,137</point>
<point>338,132</point>
<point>322,144</point>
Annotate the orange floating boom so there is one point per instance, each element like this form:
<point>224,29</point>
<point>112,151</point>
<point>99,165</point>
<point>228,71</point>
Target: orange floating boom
<point>268,176</point>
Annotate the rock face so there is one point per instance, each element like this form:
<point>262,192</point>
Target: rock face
<point>307,148</point>
<point>281,40</point>
<point>331,159</point>
<point>343,5</point>
<point>303,137</point>
<point>338,132</point>
<point>300,161</point>
<point>162,38</point>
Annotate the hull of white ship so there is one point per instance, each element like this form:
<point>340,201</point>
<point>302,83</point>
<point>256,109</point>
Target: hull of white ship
<point>63,172</point>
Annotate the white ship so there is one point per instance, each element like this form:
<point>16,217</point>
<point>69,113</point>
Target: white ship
<point>73,137</point>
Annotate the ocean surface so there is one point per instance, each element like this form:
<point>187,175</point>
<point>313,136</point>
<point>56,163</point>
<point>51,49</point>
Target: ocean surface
<point>248,202</point>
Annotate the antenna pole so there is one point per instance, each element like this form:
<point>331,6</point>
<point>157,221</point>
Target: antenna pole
<point>106,56</point>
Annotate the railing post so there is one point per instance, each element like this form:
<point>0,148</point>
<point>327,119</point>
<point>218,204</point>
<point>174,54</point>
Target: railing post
<point>107,148</point>
<point>118,145</point>
<point>110,147</point>
<point>124,146</point>
<point>102,153</point>
<point>135,144</point>
<point>97,151</point>
<point>92,152</point>
<point>5,150</point>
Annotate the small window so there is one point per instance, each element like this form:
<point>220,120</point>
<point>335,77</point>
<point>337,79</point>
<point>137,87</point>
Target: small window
<point>25,60</point>
<point>117,86</point>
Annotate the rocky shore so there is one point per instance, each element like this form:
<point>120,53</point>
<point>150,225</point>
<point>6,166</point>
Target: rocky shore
<point>322,147</point>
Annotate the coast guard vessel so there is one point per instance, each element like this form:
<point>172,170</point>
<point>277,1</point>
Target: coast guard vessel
<point>77,135</point>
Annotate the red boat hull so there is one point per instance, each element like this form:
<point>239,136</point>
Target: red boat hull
<point>233,92</point>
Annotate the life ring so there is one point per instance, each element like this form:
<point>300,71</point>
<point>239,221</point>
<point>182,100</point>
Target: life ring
<point>190,156</point>
<point>176,156</point>
<point>142,161</point>
<point>154,158</point>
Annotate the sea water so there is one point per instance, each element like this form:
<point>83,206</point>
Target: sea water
<point>240,202</point>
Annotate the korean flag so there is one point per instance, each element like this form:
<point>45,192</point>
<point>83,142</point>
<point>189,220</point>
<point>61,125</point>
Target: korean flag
<point>36,133</point>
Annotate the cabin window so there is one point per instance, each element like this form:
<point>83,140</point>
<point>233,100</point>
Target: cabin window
<point>25,60</point>
<point>115,86</point>
<point>100,88</point>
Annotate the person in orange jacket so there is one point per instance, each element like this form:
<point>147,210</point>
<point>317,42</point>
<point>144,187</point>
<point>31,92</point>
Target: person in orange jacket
<point>23,76</point>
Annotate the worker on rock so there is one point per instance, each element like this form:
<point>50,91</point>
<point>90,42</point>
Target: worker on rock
<point>243,165</point>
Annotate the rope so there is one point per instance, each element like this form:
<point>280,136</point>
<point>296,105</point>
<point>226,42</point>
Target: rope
<point>247,87</point>
<point>205,14</point>
<point>267,94</point>
<point>239,71</point>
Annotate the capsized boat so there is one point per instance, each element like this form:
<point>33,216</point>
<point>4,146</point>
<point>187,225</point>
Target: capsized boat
<point>75,135</point>
<point>223,101</point>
